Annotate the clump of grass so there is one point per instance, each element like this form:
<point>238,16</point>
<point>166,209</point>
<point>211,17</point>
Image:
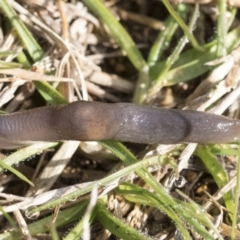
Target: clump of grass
<point>145,185</point>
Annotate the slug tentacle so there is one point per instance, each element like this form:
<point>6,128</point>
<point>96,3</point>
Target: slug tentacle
<point>93,121</point>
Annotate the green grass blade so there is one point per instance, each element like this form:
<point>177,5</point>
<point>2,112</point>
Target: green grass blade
<point>142,196</point>
<point>184,27</point>
<point>10,220</point>
<point>7,53</point>
<point>186,69</point>
<point>142,86</point>
<point>173,57</point>
<point>120,151</point>
<point>217,171</point>
<point>138,195</point>
<point>224,150</point>
<point>64,217</point>
<point>221,28</point>
<point>26,152</point>
<point>192,208</point>
<point>15,172</point>
<point>5,65</point>
<point>53,232</point>
<point>26,37</point>
<point>126,43</point>
<point>162,41</point>
<point>118,32</point>
<point>117,227</point>
<point>236,200</point>
<point>77,231</point>
<point>50,94</point>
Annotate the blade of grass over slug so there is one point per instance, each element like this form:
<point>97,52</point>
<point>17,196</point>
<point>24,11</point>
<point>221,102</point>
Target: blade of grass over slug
<point>118,32</point>
<point>217,171</point>
<point>117,227</point>
<point>221,28</point>
<point>163,39</point>
<point>28,40</point>
<point>236,199</point>
<point>185,69</point>
<point>15,172</point>
<point>184,27</point>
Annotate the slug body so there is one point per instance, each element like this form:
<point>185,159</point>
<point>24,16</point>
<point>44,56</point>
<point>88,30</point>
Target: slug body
<point>93,121</point>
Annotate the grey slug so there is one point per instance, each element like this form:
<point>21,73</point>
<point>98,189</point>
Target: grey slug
<point>93,121</point>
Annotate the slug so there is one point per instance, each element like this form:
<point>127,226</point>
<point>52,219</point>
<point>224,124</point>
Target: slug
<point>126,122</point>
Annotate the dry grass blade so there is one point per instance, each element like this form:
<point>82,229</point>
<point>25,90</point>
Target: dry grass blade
<point>54,168</point>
